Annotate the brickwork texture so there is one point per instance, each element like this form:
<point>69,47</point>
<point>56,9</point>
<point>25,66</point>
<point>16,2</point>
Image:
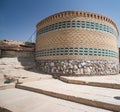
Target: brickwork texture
<point>75,35</point>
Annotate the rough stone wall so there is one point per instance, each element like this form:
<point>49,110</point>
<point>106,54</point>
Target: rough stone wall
<point>11,48</point>
<point>78,67</point>
<point>7,53</point>
<point>16,45</point>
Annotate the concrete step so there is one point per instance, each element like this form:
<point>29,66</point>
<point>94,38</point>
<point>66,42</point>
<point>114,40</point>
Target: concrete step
<point>103,81</point>
<point>7,86</point>
<point>27,101</point>
<point>104,98</point>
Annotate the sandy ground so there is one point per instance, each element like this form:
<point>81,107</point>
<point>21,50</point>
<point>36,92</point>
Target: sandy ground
<point>20,69</point>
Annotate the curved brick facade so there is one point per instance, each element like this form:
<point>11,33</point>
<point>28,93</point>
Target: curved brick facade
<point>75,43</point>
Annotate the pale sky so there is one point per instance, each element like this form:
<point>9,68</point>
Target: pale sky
<point>18,18</point>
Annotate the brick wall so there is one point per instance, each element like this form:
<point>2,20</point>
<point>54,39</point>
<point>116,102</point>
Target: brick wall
<point>74,35</point>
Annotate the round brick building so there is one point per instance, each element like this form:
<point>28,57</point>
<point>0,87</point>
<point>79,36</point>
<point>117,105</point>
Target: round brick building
<point>77,43</point>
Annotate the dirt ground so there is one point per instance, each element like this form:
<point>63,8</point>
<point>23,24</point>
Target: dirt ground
<point>19,68</point>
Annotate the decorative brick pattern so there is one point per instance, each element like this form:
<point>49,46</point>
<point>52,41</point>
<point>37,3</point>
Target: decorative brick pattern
<point>77,24</point>
<point>76,51</point>
<point>77,35</point>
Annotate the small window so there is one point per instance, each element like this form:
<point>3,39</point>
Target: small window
<point>78,21</point>
<point>101,26</point>
<point>76,50</point>
<point>87,24</point>
<point>81,53</point>
<point>83,24</point>
<point>68,26</point>
<point>85,54</point>
<point>85,49</point>
<point>81,50</point>
<point>99,49</point>
<point>90,49</point>
<point>90,54</point>
<point>63,24</point>
<point>95,54</point>
<point>75,53</point>
<point>92,25</point>
<point>60,25</point>
<point>105,28</point>
<point>71,54</point>
<point>71,50</point>
<point>53,49</point>
<point>102,49</point>
<point>52,26</point>
<point>68,21</point>
<point>62,49</point>
<point>66,49</point>
<point>99,52</point>
<point>73,26</point>
<point>73,21</point>
<point>95,49</point>
<point>96,26</point>
<point>56,26</point>
<point>78,24</point>
<point>57,49</point>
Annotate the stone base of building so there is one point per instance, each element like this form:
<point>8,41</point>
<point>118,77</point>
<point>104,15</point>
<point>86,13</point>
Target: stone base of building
<point>78,67</point>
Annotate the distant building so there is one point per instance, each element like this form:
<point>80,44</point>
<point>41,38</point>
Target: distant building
<point>77,43</point>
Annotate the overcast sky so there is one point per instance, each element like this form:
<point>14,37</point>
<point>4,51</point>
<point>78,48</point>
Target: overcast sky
<point>18,18</point>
